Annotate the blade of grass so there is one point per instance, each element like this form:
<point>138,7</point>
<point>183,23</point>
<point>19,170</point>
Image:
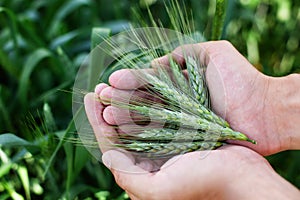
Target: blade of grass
<point>49,93</point>
<point>62,39</point>
<point>96,60</point>
<point>13,25</point>
<point>80,160</point>
<point>31,63</point>
<point>66,64</point>
<point>62,12</point>
<point>62,136</point>
<point>30,32</point>
<point>69,150</point>
<point>71,128</point>
<point>5,113</point>
<point>11,140</point>
<point>8,65</point>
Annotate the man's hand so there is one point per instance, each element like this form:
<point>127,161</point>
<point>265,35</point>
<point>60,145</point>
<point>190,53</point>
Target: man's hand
<point>246,98</point>
<point>240,94</point>
<point>230,172</point>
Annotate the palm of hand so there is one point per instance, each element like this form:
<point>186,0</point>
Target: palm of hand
<point>240,94</point>
<point>188,171</point>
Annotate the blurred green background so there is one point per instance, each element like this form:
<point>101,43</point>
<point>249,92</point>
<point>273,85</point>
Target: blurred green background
<point>43,43</point>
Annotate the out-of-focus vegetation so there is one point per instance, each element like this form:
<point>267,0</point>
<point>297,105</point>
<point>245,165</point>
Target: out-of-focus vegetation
<point>43,44</point>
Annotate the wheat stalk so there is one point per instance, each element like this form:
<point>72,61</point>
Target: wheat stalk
<point>179,79</point>
<point>155,150</point>
<point>197,81</point>
<point>168,134</point>
<point>164,115</point>
<point>186,102</point>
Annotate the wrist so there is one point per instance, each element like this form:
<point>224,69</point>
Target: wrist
<point>284,98</point>
<point>259,181</point>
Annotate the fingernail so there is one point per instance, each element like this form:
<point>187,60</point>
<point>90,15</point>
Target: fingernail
<point>106,159</point>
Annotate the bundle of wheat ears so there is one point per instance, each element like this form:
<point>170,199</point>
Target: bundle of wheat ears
<point>179,119</point>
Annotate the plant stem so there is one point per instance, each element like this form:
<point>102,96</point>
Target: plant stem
<point>218,22</point>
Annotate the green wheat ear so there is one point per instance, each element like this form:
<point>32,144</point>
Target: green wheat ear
<point>197,81</point>
<point>182,104</point>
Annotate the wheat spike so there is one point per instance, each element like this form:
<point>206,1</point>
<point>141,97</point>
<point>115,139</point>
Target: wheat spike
<point>167,134</point>
<point>197,81</point>
<point>156,150</point>
<point>186,102</point>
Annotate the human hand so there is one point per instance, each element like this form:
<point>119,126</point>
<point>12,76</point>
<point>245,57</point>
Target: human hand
<point>246,98</point>
<point>114,159</point>
<point>225,173</point>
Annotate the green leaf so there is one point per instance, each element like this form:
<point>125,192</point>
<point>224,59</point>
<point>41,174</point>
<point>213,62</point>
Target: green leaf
<point>11,140</point>
<point>66,63</point>
<point>47,94</point>
<point>4,112</point>
<point>98,36</point>
<point>13,24</point>
<point>64,134</point>
<point>62,12</point>
<point>97,56</point>
<point>80,159</point>
<point>62,39</point>
<point>31,63</point>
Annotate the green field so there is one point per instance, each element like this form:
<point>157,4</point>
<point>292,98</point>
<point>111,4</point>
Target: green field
<point>44,42</point>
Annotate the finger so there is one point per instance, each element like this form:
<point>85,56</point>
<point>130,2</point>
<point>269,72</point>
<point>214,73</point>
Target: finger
<point>150,165</point>
<point>100,87</point>
<point>161,61</point>
<point>128,79</point>
<point>102,130</point>
<point>180,54</point>
<point>136,180</point>
<point>128,176</point>
<point>93,109</point>
<point>109,95</point>
<point>119,163</point>
<point>117,116</point>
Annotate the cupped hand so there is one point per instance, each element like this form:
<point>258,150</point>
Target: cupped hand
<point>224,173</point>
<point>239,93</point>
